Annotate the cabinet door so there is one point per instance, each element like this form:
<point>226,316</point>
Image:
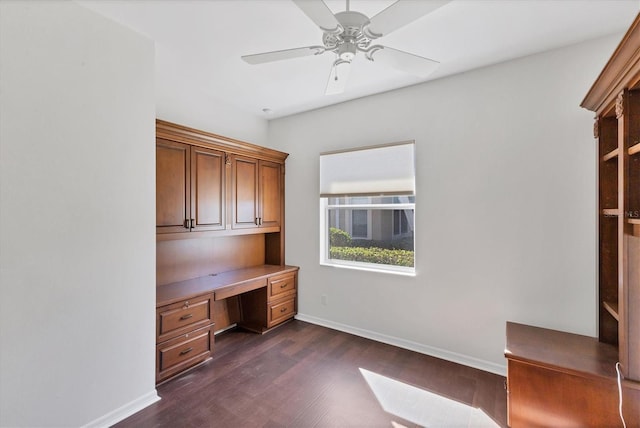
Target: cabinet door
<point>245,193</point>
<point>172,186</point>
<point>207,189</point>
<point>270,194</point>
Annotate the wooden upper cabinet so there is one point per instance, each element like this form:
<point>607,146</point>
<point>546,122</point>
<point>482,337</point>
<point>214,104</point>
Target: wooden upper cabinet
<point>245,192</point>
<point>270,194</point>
<point>206,182</point>
<point>190,188</point>
<point>172,186</point>
<point>207,189</point>
<point>257,194</point>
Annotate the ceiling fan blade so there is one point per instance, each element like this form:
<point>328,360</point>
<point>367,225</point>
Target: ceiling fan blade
<point>400,14</point>
<point>283,54</point>
<point>338,77</point>
<point>403,61</point>
<point>319,13</point>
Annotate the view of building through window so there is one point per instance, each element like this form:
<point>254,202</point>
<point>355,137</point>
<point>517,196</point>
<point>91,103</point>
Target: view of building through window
<point>369,231</point>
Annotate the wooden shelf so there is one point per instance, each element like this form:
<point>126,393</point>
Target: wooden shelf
<point>611,155</point>
<point>635,149</point>
<point>633,221</point>
<point>612,308</point>
<point>611,212</point>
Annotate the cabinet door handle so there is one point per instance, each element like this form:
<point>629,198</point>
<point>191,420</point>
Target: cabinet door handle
<point>186,317</point>
<point>186,223</point>
<point>260,221</point>
<point>186,351</point>
<point>193,223</point>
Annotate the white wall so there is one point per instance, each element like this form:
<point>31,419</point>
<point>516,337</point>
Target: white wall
<point>77,254</point>
<point>179,101</point>
<point>505,210</point>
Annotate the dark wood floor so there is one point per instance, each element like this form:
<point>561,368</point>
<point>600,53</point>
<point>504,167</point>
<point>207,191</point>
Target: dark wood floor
<point>303,375</point>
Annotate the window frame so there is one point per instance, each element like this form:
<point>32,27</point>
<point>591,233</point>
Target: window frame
<point>325,213</point>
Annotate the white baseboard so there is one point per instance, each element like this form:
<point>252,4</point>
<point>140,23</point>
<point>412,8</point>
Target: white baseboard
<point>407,344</point>
<point>125,411</point>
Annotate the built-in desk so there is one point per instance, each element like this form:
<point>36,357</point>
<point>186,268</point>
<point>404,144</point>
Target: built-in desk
<point>185,311</point>
<point>559,379</point>
<point>223,285</point>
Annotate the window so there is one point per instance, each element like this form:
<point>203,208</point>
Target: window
<point>371,228</point>
<point>403,220</point>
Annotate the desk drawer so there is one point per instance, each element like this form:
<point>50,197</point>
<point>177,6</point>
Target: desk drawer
<point>183,352</point>
<point>281,311</point>
<point>178,318</point>
<point>282,285</point>
<point>226,292</point>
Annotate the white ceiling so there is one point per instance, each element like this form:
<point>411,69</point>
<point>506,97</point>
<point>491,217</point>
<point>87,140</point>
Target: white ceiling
<point>199,44</point>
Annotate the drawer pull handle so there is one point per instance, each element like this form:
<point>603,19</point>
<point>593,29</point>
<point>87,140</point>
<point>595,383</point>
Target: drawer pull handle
<point>186,351</point>
<point>186,317</point>
<point>283,310</point>
<point>284,285</point>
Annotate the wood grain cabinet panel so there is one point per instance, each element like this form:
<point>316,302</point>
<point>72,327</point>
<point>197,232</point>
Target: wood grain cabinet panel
<point>245,192</point>
<point>281,311</point>
<point>183,352</point>
<point>172,186</point>
<point>178,318</point>
<point>282,285</point>
<point>257,193</point>
<point>190,188</point>
<point>270,194</point>
<point>207,189</point>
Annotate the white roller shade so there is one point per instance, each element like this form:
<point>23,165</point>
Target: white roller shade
<point>388,169</point>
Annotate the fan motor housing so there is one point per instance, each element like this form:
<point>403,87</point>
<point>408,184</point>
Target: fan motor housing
<point>351,38</point>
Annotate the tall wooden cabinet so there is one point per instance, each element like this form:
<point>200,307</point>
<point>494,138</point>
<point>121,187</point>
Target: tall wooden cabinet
<point>561,379</point>
<point>615,98</point>
<point>220,243</point>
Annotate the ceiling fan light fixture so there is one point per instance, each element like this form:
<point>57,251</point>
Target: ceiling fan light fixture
<point>347,51</point>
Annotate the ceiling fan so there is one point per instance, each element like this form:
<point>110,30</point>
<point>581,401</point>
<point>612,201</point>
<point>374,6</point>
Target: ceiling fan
<point>349,32</point>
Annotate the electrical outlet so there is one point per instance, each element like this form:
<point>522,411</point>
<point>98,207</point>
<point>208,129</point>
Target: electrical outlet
<point>324,299</point>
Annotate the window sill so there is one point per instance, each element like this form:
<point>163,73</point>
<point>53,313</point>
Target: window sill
<point>371,268</point>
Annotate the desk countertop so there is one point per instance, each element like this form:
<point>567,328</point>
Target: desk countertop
<point>220,283</point>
